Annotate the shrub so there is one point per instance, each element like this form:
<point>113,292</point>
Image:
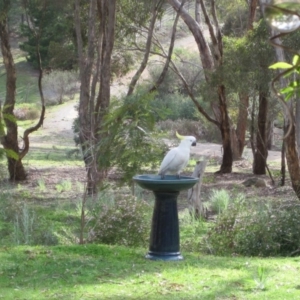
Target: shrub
<point>28,229</point>
<point>174,106</point>
<point>199,129</point>
<point>257,229</point>
<point>130,124</point>
<point>219,201</point>
<point>121,63</point>
<point>126,222</point>
<point>27,112</point>
<point>59,84</point>
<point>191,232</point>
<point>183,126</point>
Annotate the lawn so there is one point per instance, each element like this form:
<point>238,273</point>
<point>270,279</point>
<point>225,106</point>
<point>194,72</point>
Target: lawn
<point>111,272</point>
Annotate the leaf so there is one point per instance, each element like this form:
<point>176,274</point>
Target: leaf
<point>281,65</point>
<point>287,90</point>
<point>10,117</point>
<point>12,154</point>
<point>295,60</point>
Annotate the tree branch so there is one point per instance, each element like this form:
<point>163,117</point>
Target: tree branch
<point>29,130</point>
<point>143,65</point>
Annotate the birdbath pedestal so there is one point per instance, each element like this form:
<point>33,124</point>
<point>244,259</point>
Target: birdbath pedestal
<point>164,237</point>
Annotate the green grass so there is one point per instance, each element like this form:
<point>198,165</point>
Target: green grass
<point>110,272</point>
<point>27,79</point>
<point>54,156</point>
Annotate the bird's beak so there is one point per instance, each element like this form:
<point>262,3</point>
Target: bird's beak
<point>194,144</point>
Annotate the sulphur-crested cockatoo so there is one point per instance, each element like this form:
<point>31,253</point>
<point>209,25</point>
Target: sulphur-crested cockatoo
<point>177,158</point>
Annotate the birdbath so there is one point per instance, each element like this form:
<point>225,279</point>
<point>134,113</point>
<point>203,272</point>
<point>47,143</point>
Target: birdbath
<point>164,237</point>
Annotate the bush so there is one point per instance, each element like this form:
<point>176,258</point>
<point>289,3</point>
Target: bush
<point>20,224</point>
<point>191,232</point>
<point>27,112</point>
<point>199,129</point>
<point>219,201</point>
<point>136,148</point>
<point>126,222</point>
<point>175,106</point>
<point>58,84</point>
<point>257,229</point>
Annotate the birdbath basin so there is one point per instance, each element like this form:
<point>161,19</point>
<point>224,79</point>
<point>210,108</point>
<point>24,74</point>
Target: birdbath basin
<point>164,237</point>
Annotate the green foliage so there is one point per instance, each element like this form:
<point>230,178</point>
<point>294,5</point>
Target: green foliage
<point>201,129</point>
<point>235,23</point>
<point>58,84</point>
<point>219,201</point>
<point>256,228</point>
<point>126,222</point>
<point>174,107</point>
<point>20,224</point>
<point>246,61</point>
<point>128,142</point>
<point>191,232</point>
<point>122,62</point>
<point>292,71</point>
<point>189,65</point>
<point>55,22</point>
<point>64,186</point>
<point>27,111</point>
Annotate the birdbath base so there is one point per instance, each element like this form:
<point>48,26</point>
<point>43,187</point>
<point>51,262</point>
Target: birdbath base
<point>164,237</point>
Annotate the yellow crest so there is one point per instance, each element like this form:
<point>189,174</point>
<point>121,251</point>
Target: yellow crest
<point>179,136</point>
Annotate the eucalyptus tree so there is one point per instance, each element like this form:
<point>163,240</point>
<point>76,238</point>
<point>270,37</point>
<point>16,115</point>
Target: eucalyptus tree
<point>285,87</point>
<point>211,58</point>
<point>58,43</point>
<point>8,125</point>
<point>109,24</point>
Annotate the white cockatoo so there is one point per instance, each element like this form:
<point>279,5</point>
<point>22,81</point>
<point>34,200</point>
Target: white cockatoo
<point>177,158</point>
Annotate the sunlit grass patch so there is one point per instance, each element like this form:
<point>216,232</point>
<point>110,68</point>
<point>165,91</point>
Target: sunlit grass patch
<point>111,272</point>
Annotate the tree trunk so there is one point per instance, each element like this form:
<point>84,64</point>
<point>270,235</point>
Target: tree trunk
<point>198,13</point>
<point>298,125</point>
<point>92,108</point>
<point>261,152</point>
<point>293,160</point>
<point>209,60</point>
<point>241,126</point>
<point>196,208</point>
<point>270,135</point>
<point>143,65</point>
<point>252,12</point>
<point>85,71</point>
<point>226,166</point>
<point>10,139</point>
<point>163,74</point>
<point>292,157</point>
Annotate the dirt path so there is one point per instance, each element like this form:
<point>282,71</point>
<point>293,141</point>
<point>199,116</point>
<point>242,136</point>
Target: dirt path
<point>57,128</point>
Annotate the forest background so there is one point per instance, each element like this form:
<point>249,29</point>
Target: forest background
<point>100,91</point>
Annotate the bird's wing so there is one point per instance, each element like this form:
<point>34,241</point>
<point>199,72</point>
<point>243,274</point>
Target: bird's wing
<point>174,161</point>
<point>167,161</point>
